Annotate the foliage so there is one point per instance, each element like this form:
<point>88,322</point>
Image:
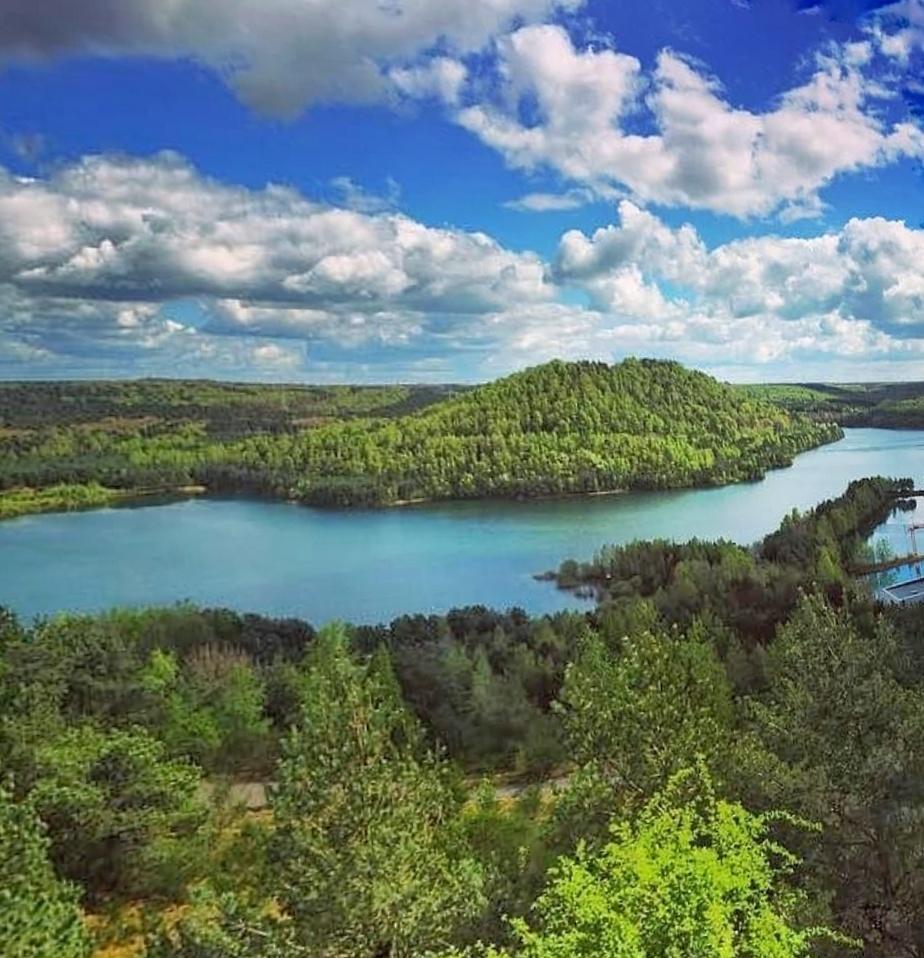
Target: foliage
<point>844,733</point>
<point>222,688</point>
<point>559,428</point>
<point>227,409</point>
<point>198,680</point>
<point>691,875</point>
<point>121,817</point>
<point>39,916</point>
<point>699,654</point>
<point>57,498</point>
<point>367,856</point>
<point>882,405</point>
<point>484,681</point>
<point>750,591</point>
<point>213,709</point>
<point>223,926</point>
<point>506,836</point>
<point>637,715</point>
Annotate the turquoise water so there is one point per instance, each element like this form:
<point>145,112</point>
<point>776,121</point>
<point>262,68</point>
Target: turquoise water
<point>372,565</point>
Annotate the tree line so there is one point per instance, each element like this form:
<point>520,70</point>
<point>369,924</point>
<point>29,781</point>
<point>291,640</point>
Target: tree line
<point>879,405</point>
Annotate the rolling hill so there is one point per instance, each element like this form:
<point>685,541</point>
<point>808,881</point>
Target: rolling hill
<point>559,428</point>
<point>555,429</point>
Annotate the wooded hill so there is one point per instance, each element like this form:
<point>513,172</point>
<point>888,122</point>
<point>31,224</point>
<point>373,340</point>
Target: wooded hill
<point>882,405</point>
<point>555,429</point>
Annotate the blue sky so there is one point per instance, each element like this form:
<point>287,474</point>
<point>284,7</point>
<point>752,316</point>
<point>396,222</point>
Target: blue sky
<point>290,190</point>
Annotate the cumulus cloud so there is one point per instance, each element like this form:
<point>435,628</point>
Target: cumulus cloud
<point>60,336</point>
<point>705,153</point>
<point>144,265</point>
<point>856,293</point>
<point>133,229</point>
<point>97,252</point>
<point>278,55</point>
<point>441,77</point>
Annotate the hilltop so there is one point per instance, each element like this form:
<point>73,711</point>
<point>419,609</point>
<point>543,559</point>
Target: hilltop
<point>555,429</point>
<point>558,428</point>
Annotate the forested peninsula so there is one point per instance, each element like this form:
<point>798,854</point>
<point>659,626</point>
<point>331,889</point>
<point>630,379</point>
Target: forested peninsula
<point>561,428</point>
<point>725,759</point>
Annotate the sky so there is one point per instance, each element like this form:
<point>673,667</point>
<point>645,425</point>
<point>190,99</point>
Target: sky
<point>451,190</point>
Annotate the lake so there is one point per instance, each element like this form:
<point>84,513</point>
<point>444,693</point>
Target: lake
<point>372,565</point>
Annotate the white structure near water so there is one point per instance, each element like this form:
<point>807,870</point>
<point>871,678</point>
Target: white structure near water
<point>903,593</point>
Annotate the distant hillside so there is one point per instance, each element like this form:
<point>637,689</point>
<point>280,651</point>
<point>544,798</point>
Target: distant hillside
<point>226,409</point>
<point>886,405</point>
<point>558,428</point>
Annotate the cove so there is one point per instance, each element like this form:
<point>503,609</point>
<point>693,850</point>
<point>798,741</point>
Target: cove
<point>373,565</point>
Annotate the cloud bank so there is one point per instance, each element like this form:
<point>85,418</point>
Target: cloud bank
<point>92,257</point>
<point>853,294</point>
<point>148,263</point>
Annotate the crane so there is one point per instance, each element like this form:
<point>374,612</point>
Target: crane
<point>912,529</point>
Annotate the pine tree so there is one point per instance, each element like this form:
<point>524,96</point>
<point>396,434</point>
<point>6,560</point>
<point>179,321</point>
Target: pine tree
<point>367,853</point>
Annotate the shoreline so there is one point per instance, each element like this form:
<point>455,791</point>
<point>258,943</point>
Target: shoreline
<point>548,497</point>
<point>106,496</point>
<point>42,501</point>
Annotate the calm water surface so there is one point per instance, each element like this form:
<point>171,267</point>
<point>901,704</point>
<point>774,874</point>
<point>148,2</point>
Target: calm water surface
<point>372,565</point>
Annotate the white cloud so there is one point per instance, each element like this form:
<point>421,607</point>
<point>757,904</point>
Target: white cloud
<point>348,329</point>
<point>275,356</point>
<point>117,264</point>
<point>898,30</point>
<point>552,202</point>
<point>853,294</point>
<point>705,153</point>
<point>93,257</point>
<point>640,239</point>
<point>278,55</point>
<point>153,229</point>
<point>441,77</point>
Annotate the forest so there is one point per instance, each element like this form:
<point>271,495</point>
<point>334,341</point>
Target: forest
<point>557,429</point>
<point>724,759</point>
<point>881,405</point>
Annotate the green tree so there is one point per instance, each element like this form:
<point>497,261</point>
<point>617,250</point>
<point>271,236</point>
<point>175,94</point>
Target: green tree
<point>844,740</point>
<point>122,818</point>
<point>367,856</point>
<point>224,926</point>
<point>635,716</point>
<point>691,875</point>
<point>210,708</point>
<point>39,916</point>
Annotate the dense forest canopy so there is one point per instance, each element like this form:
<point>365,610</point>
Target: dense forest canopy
<point>723,759</point>
<point>558,428</point>
<point>750,590</point>
<point>883,405</point>
<point>227,409</point>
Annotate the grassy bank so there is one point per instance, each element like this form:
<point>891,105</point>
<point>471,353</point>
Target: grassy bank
<point>69,497</point>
